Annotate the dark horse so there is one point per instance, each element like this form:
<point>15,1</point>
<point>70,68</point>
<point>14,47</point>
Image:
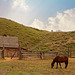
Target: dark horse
<point>60,60</point>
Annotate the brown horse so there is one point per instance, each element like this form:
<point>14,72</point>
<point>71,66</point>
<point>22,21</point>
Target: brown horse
<point>60,60</point>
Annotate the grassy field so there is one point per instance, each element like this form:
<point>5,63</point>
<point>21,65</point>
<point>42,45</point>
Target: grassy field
<point>34,67</point>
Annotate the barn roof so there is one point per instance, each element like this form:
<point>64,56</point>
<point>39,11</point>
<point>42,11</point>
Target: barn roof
<point>9,42</point>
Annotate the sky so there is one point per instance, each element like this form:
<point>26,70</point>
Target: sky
<point>56,15</point>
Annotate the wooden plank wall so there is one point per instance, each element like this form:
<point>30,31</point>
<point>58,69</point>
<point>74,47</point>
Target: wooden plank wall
<point>9,53</point>
<point>1,54</point>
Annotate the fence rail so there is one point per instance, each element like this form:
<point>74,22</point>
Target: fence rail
<point>39,55</point>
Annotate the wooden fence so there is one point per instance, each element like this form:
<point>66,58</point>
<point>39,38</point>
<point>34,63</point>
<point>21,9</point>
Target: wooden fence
<point>38,55</point>
<point>72,53</point>
<point>48,55</point>
<point>30,55</point>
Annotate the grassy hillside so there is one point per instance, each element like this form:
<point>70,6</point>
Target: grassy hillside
<point>30,37</point>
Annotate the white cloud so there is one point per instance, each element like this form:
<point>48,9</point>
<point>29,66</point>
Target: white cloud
<point>63,21</point>
<point>20,3</point>
<point>37,24</point>
<point>17,10</point>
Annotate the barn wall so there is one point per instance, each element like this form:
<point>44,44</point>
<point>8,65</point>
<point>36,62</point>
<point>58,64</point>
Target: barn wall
<point>9,53</point>
<point>1,54</point>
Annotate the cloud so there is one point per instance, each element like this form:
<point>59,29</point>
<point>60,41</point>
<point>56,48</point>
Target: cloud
<point>16,10</point>
<point>20,11</point>
<point>37,24</point>
<point>64,21</point>
<point>20,3</point>
<point>17,4</point>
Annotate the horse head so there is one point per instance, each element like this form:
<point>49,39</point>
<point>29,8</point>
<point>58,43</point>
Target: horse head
<point>52,64</point>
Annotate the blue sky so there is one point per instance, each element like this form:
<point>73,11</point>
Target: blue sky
<point>42,14</point>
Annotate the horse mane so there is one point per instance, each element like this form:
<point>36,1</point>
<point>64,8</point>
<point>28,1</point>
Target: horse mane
<point>53,61</point>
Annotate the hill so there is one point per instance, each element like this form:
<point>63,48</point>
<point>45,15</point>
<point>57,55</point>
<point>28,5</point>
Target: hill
<point>30,37</point>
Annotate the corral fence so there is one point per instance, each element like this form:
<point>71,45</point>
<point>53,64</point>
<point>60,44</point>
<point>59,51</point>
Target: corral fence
<point>71,53</point>
<point>38,55</point>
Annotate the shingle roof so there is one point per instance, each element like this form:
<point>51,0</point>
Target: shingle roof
<point>9,42</point>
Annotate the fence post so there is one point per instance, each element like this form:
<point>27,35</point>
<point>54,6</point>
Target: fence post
<point>41,55</point>
<point>3,52</point>
<point>20,55</point>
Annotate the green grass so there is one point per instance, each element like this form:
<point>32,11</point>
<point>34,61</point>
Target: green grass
<point>34,67</point>
<point>73,57</point>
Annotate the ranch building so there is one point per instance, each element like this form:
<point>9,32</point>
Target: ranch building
<point>9,46</point>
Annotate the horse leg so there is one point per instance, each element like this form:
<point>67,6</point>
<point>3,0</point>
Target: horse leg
<point>57,65</point>
<point>60,65</point>
<point>66,64</point>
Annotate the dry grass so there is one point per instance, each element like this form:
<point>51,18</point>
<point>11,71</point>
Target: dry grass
<point>34,67</point>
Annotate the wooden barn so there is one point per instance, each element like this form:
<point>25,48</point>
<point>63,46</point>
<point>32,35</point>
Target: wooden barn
<point>9,46</point>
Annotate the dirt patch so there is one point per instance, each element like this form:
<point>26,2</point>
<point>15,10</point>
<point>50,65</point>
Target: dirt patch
<point>8,59</point>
